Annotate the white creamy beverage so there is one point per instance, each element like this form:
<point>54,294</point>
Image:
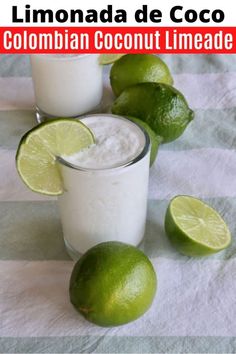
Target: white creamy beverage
<point>106,186</point>
<point>66,85</point>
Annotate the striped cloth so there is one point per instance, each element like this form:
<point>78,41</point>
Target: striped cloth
<point>195,307</point>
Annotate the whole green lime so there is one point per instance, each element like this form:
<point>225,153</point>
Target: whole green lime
<point>161,106</point>
<point>112,284</point>
<point>132,69</point>
<point>154,138</point>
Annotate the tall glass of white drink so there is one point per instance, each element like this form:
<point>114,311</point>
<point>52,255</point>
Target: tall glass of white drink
<point>66,85</point>
<point>106,186</point>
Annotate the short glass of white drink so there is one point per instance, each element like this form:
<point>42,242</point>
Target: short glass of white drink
<point>66,85</point>
<point>105,185</point>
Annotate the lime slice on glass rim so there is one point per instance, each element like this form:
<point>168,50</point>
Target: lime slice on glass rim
<point>36,157</point>
<point>105,59</point>
<point>194,228</point>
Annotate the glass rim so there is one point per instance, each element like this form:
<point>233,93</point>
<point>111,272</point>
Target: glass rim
<point>54,56</point>
<point>143,153</point>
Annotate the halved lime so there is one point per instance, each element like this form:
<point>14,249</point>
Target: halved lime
<point>194,228</point>
<point>105,59</point>
<point>36,157</point>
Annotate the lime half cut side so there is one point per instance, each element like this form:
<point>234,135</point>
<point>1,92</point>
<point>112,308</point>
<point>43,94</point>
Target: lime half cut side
<point>105,59</point>
<point>36,157</point>
<point>194,228</point>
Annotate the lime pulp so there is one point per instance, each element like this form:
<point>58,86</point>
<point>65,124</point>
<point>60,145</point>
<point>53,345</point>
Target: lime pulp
<point>195,228</point>
<point>36,157</point>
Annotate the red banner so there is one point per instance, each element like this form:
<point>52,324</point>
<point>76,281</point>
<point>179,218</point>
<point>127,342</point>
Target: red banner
<point>118,40</point>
